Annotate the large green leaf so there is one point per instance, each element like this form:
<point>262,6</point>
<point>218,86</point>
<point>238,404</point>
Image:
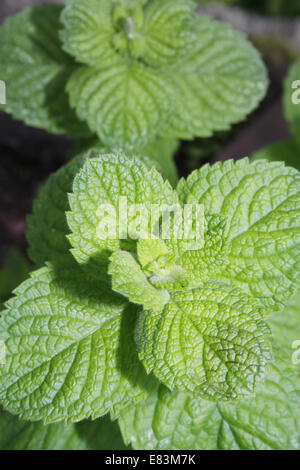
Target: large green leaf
<point>16,434</point>
<point>88,31</point>
<point>175,421</point>
<point>260,203</point>
<point>166,31</point>
<point>210,341</point>
<point>70,351</point>
<point>36,70</point>
<point>218,83</point>
<point>129,279</point>
<point>125,104</point>
<point>270,420</point>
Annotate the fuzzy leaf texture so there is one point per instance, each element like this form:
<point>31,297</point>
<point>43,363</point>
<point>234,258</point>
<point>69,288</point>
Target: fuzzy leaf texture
<point>16,434</point>
<point>70,351</point>
<point>260,202</point>
<point>210,341</point>
<point>105,31</point>
<point>36,70</point>
<point>125,104</point>
<point>157,69</point>
<point>104,180</point>
<point>129,279</point>
<point>220,81</point>
<point>47,229</point>
<point>269,420</point>
<point>292,99</point>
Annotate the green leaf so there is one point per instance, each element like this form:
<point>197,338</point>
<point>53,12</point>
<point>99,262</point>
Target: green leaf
<point>47,226</point>
<point>260,203</point>
<point>129,279</point>
<point>176,421</point>
<point>217,84</point>
<point>167,32</point>
<point>210,341</point>
<point>125,104</point>
<point>103,181</point>
<point>70,350</point>
<point>270,420</point>
<point>88,31</point>
<point>103,32</point>
<point>287,151</point>
<point>16,434</point>
<point>36,70</point>
<point>292,99</point>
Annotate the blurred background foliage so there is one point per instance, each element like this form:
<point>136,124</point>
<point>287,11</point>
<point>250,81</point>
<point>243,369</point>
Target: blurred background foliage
<point>285,8</point>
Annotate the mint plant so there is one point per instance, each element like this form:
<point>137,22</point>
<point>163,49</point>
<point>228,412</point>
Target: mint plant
<point>71,348</point>
<point>127,70</point>
<point>185,344</point>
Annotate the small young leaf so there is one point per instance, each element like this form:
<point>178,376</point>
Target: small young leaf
<point>125,104</point>
<point>36,70</point>
<point>129,279</point>
<point>104,181</point>
<point>210,341</point>
<point>260,203</point>
<point>16,434</point>
<point>70,351</point>
<point>175,421</point>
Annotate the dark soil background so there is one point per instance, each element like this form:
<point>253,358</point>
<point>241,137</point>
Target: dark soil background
<point>28,156</point>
